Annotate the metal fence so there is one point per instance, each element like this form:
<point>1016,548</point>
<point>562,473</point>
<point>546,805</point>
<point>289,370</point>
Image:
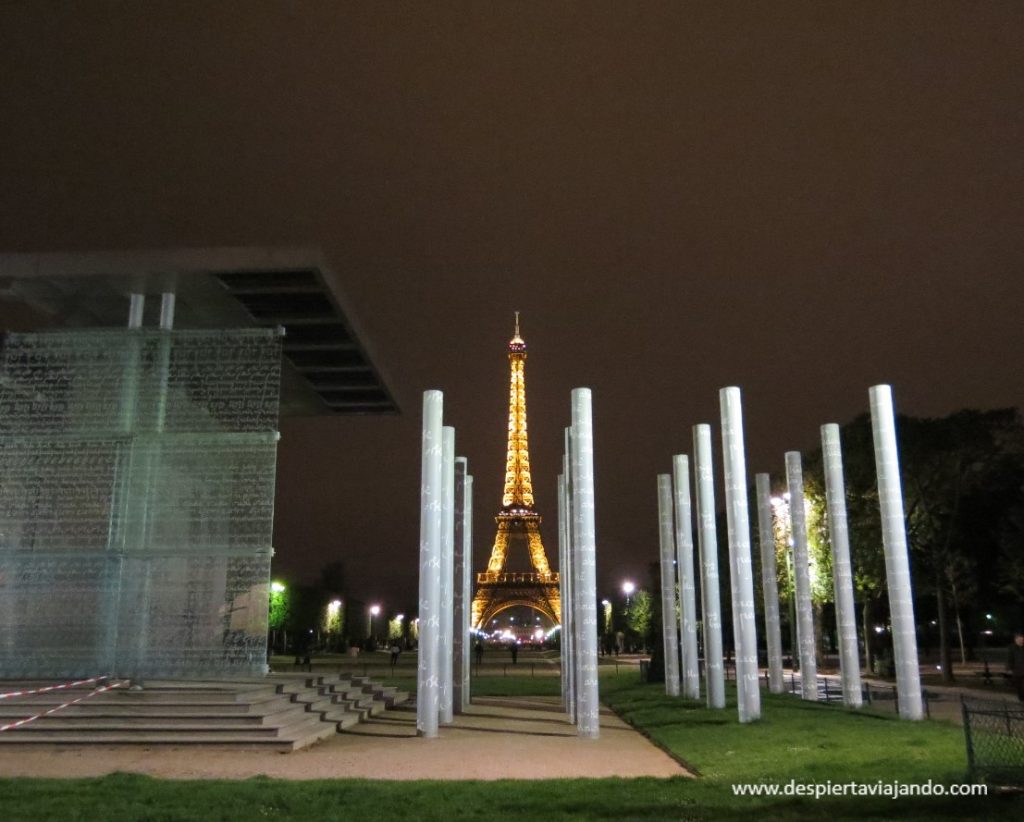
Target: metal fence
<point>876,695</point>
<point>994,735</point>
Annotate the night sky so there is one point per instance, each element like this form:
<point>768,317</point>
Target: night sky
<point>800,199</point>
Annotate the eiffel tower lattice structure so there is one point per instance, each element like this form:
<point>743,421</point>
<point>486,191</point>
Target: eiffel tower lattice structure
<point>497,588</point>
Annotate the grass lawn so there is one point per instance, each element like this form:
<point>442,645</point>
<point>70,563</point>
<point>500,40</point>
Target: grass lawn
<point>811,743</point>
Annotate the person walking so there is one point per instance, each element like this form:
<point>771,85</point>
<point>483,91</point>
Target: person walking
<point>479,648</point>
<point>1015,663</point>
<point>396,649</point>
<point>515,652</point>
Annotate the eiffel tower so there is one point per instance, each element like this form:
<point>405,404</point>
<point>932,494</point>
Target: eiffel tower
<point>498,589</point>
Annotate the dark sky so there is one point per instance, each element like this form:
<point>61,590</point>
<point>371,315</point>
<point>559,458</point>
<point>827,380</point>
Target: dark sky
<point>800,199</point>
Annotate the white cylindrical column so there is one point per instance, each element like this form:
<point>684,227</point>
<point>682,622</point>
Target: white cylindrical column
<point>690,675</point>
<point>897,564</point>
<point>431,493</point>
<point>802,578</point>
<point>769,583</point>
<point>467,596</point>
<point>136,309</point>
<point>842,571</point>
<point>585,564</point>
<point>667,546</point>
<point>167,311</point>
<point>562,599</point>
<point>748,690</point>
<point>707,549</point>
<point>569,579</point>
<point>463,560</point>
<point>445,642</point>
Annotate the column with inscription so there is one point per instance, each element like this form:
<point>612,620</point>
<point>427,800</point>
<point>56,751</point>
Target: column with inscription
<point>431,491</point>
<point>707,550</point>
<point>769,583</point>
<point>445,642</point>
<point>684,569</point>
<point>802,578</point>
<point>568,580</point>
<point>463,556</point>
<point>585,565</point>
<point>894,545</point>
<point>748,690</point>
<point>842,572</point>
<point>667,546</point>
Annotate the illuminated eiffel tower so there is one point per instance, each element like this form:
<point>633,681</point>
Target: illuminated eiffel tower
<point>498,589</point>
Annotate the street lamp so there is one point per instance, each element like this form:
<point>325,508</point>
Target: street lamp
<point>374,610</point>
<point>628,588</point>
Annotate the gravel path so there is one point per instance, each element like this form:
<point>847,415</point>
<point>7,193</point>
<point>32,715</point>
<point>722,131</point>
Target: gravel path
<point>500,738</point>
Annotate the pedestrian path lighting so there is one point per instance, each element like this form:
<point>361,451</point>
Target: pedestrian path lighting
<point>374,610</point>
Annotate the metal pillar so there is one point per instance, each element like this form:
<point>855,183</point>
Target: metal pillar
<point>690,675</point>
<point>446,644</point>
<point>842,572</point>
<point>585,567</point>
<point>567,577</point>
<point>667,545</point>
<point>769,584</point>
<point>707,549</point>
<point>802,578</point>
<point>427,697</point>
<point>463,562</point>
<point>748,690</point>
<point>894,544</point>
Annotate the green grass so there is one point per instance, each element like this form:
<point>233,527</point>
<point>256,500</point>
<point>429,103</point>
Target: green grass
<point>811,743</point>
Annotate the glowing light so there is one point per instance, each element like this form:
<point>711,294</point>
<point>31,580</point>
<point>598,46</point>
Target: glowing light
<point>628,587</point>
<point>277,587</point>
<point>399,617</point>
<point>375,609</point>
<point>334,606</point>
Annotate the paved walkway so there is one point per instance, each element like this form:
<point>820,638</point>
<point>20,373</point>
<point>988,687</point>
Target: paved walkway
<point>500,738</point>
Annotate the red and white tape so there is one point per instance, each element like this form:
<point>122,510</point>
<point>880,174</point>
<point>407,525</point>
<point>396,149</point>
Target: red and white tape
<point>93,692</point>
<point>62,686</point>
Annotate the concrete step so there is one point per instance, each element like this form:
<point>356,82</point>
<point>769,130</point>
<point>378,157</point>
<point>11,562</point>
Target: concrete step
<point>180,696</point>
<point>141,707</point>
<point>86,719</point>
<point>397,698</point>
<point>282,712</point>
<point>297,724</point>
<point>235,739</point>
<point>342,719</point>
<point>348,693</point>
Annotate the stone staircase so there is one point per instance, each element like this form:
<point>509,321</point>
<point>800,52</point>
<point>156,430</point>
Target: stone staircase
<point>280,712</point>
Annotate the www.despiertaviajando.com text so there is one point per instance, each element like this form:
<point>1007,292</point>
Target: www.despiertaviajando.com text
<point>822,790</point>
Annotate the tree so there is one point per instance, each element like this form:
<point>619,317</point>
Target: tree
<point>962,477</point>
<point>639,615</point>
<point>961,474</point>
<point>280,608</point>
